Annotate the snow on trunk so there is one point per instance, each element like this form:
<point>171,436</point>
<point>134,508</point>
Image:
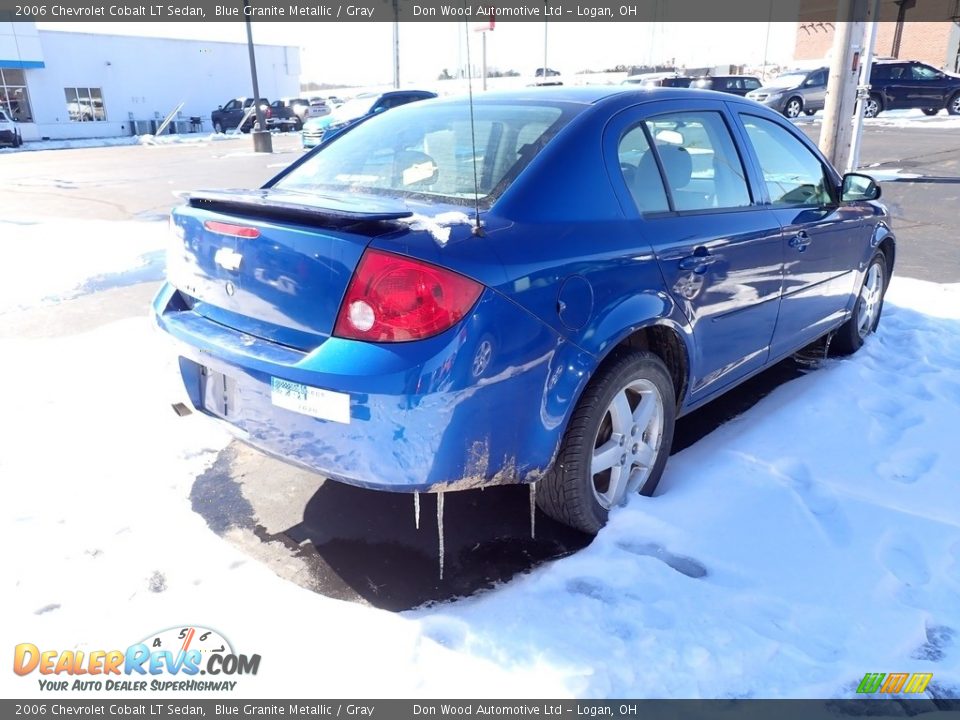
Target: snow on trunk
<point>440,529</point>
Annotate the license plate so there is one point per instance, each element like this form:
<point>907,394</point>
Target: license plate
<point>306,400</point>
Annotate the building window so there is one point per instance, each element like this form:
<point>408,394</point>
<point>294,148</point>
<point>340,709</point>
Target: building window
<point>85,104</point>
<point>13,95</point>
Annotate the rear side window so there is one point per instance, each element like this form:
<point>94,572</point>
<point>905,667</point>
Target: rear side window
<point>427,150</point>
<point>751,84</point>
<point>700,161</point>
<point>794,176</point>
<point>639,167</point>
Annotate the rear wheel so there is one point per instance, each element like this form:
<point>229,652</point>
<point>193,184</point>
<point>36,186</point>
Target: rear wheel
<point>872,107</point>
<point>930,111</point>
<point>866,313</point>
<point>617,442</point>
<point>809,112</point>
<point>953,107</point>
<point>793,108</point>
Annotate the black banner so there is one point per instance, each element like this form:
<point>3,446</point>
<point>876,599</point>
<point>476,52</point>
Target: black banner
<point>472,10</point>
<point>557,709</point>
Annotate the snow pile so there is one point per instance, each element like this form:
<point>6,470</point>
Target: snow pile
<point>811,540</point>
<point>43,261</point>
<point>437,225</point>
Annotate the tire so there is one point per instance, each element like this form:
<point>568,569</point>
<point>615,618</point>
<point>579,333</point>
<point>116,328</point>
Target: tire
<point>793,107</point>
<point>808,113</point>
<point>866,313</point>
<point>873,106</point>
<point>218,127</point>
<point>953,107</point>
<point>570,492</point>
<point>930,112</point>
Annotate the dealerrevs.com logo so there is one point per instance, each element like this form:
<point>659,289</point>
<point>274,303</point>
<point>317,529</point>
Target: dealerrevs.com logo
<point>173,659</point>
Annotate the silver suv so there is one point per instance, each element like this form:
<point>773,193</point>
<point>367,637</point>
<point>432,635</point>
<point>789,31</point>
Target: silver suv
<point>794,92</point>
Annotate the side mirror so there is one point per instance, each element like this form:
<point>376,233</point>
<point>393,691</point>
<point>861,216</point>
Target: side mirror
<point>857,187</point>
<point>219,107</point>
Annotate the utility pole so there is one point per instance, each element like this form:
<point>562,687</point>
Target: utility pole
<point>863,90</point>
<point>262,141</point>
<point>544,78</point>
<point>836,134</point>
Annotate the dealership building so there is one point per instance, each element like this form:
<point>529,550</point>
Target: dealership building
<point>65,85</point>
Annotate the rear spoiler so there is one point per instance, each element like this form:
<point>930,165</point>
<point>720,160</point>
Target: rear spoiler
<point>332,208</point>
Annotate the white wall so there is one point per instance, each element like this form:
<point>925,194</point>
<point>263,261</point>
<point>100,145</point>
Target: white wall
<point>147,76</point>
<point>20,41</point>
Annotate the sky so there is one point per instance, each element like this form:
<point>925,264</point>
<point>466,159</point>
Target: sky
<point>360,53</point>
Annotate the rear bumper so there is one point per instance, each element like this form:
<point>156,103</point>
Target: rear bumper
<point>482,404</point>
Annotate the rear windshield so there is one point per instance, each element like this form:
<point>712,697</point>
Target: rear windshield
<point>427,150</point>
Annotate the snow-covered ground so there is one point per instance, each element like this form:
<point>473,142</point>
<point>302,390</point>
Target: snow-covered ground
<point>152,140</point>
<point>810,540</point>
<point>899,119</point>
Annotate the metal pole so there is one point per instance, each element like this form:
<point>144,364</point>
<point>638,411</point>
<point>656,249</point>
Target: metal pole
<point>262,142</point>
<point>484,54</point>
<point>396,45</point>
<point>864,89</point>
<point>544,42</point>
<point>766,44</point>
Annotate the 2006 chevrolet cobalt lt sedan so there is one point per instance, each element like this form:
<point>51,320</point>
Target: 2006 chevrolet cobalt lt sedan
<point>534,291</point>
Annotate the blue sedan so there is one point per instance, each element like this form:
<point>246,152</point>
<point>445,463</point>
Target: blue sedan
<point>533,291</point>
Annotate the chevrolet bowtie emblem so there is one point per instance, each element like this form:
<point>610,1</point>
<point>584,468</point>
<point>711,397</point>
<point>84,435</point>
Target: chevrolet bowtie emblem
<point>228,259</point>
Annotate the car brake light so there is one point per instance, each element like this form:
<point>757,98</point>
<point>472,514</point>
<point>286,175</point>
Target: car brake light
<point>392,298</point>
<point>240,231</point>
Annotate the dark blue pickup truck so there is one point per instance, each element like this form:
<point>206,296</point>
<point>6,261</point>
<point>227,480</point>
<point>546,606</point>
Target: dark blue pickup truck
<point>903,84</point>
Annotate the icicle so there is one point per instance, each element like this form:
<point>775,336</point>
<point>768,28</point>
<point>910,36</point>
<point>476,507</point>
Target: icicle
<point>416,509</point>
<point>533,510</point>
<point>440,528</point>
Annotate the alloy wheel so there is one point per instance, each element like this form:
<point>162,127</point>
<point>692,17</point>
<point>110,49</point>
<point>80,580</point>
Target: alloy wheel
<point>871,295</point>
<point>871,108</point>
<point>955,104</point>
<point>793,108</point>
<point>627,442</point>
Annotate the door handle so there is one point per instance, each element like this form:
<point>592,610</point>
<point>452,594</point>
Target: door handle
<point>800,241</point>
<point>698,262</point>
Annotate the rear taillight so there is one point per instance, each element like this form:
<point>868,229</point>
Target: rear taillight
<point>393,299</point>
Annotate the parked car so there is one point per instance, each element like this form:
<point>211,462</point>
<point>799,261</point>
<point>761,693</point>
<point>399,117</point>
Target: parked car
<point>794,92</point>
<point>647,78</point>
<point>636,255</point>
<point>677,81</point>
<point>228,116</point>
<point>319,130</point>
<point>903,84</point>
<point>546,72</point>
<point>283,116</point>
<point>9,132</point>
<point>294,110</point>
<point>732,84</point>
<point>318,108</point>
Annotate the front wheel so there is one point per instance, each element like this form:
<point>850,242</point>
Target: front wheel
<point>953,107</point>
<point>866,313</point>
<point>218,127</point>
<point>872,106</point>
<point>617,442</point>
<point>793,107</point>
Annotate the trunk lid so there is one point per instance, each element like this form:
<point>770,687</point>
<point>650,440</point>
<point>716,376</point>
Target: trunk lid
<point>274,264</point>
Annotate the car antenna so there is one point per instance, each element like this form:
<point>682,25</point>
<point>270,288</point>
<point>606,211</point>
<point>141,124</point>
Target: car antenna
<point>477,229</point>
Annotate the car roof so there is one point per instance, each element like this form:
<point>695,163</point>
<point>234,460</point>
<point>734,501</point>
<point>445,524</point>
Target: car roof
<point>582,95</point>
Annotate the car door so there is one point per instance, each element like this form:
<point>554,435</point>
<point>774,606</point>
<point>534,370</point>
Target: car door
<point>823,240</point>
<point>897,86</point>
<point>719,252</point>
<point>814,90</point>
<point>927,87</point>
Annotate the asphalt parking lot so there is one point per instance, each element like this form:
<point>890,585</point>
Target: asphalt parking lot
<point>361,545</point>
